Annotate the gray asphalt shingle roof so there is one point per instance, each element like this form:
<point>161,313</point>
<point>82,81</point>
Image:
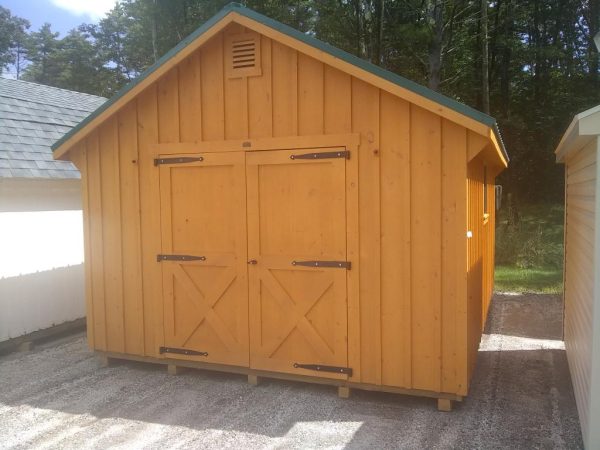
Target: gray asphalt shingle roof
<point>32,118</point>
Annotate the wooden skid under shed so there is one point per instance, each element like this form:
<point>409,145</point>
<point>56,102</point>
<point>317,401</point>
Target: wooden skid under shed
<point>254,376</point>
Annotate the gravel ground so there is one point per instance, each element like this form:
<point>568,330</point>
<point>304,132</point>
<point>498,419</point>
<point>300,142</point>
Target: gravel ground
<point>521,397</point>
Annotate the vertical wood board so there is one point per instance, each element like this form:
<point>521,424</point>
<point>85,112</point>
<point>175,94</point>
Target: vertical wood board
<point>454,257</point>
<point>310,95</point>
<point>426,248</point>
<point>395,242</point>
<point>112,235</point>
<point>168,107</point>
<point>147,135</point>
<point>365,120</point>
<point>190,101</point>
<point>129,184</point>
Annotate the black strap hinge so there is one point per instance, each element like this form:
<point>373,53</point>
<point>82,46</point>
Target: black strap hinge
<point>179,160</point>
<point>323,155</point>
<point>160,258</point>
<point>320,368</point>
<point>334,264</point>
<point>181,351</point>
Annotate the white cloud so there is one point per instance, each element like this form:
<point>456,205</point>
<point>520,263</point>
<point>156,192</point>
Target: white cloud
<point>94,9</point>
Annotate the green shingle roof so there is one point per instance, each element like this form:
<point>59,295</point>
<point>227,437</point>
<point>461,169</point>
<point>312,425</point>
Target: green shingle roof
<point>307,39</point>
<point>32,117</point>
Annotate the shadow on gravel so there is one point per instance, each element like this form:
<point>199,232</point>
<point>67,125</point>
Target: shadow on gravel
<point>538,316</point>
<point>518,399</point>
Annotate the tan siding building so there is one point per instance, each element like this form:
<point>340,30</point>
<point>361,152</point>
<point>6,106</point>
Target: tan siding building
<point>579,150</point>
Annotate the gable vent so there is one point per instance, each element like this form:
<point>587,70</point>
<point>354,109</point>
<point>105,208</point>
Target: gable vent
<point>243,55</point>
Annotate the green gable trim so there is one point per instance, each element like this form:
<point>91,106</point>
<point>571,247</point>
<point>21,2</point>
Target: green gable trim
<point>333,51</point>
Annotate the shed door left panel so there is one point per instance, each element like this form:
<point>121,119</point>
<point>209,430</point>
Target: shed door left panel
<point>203,215</point>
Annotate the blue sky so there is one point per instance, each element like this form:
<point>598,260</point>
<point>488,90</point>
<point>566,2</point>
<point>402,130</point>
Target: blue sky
<point>63,15</point>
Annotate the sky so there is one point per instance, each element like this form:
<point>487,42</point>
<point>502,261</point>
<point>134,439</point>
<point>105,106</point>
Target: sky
<point>63,15</point>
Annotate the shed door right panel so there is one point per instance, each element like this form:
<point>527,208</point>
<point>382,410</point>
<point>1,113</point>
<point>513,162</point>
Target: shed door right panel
<point>296,212</point>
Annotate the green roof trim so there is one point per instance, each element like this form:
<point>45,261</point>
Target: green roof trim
<point>285,29</point>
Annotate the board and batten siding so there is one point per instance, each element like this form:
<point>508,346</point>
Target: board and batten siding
<point>409,329</point>
<point>582,284</point>
<point>481,223</point>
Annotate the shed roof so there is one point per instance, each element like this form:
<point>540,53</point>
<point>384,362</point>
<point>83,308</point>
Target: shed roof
<point>32,117</point>
<point>583,127</point>
<point>234,12</point>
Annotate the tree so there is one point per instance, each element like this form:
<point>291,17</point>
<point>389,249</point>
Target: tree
<point>485,70</point>
<point>110,37</point>
<point>41,47</point>
<point>12,37</point>
<point>83,69</point>
<point>435,18</point>
<point>20,51</point>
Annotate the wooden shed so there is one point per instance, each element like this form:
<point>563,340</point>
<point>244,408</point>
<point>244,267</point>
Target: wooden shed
<point>579,150</point>
<point>261,202</point>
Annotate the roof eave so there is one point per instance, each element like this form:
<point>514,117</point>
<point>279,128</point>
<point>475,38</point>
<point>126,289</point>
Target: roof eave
<point>499,144</point>
<point>582,128</point>
<point>567,140</point>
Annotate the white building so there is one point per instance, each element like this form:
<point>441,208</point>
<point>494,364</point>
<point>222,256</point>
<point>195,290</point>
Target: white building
<point>41,242</point>
<point>579,150</point>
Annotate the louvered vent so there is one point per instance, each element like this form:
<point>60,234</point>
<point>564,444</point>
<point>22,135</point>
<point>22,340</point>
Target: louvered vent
<point>243,54</point>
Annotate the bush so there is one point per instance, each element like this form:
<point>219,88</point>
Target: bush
<point>531,237</point>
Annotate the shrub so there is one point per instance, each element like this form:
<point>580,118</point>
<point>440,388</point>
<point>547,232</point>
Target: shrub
<point>531,238</point>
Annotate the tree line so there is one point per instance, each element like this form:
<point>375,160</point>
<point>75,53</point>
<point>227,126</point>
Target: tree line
<point>530,63</point>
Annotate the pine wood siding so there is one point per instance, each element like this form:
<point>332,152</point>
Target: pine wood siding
<point>581,178</point>
<point>418,291</point>
<point>481,224</point>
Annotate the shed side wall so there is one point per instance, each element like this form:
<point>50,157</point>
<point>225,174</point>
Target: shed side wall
<point>412,198</point>
<point>475,260</point>
<point>489,240</point>
<point>581,174</point>
<point>481,222</point>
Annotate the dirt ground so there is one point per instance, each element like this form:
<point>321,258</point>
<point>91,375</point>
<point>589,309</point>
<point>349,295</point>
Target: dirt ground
<point>57,396</point>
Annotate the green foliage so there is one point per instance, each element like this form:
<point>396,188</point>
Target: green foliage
<point>538,280</point>
<point>42,48</point>
<point>529,247</point>
<point>69,63</point>
<point>530,236</point>
<point>12,37</point>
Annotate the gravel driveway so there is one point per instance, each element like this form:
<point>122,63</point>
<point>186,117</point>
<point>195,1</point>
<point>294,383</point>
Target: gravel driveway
<point>521,397</point>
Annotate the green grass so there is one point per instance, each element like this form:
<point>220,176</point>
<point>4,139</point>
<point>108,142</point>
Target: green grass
<point>538,280</point>
<point>529,248</point>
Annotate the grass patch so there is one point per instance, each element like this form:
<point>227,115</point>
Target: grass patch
<point>529,248</point>
<point>515,279</point>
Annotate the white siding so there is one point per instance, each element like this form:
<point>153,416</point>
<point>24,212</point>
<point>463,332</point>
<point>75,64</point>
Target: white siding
<point>580,285</point>
<point>26,194</point>
<point>41,255</point>
<point>594,412</point>
<point>40,300</point>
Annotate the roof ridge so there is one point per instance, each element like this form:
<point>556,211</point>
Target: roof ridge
<point>47,86</point>
<point>57,104</point>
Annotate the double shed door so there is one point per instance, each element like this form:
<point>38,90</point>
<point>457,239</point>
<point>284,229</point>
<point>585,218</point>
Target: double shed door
<point>254,254</point>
